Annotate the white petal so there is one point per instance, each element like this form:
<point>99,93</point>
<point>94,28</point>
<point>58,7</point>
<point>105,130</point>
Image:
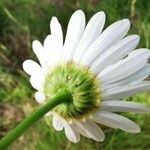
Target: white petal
<point>92,31</point>
<point>53,49</point>
<point>117,121</point>
<point>47,42</point>
<point>75,31</point>
<point>134,62</point>
<point>115,53</point>
<point>132,79</point>
<point>37,81</point>
<point>92,130</point>
<point>120,92</point>
<point>40,97</point>
<point>57,123</point>
<point>71,133</point>
<point>56,30</point>
<point>40,52</point>
<point>31,67</point>
<point>111,35</point>
<point>123,106</point>
<point>81,130</point>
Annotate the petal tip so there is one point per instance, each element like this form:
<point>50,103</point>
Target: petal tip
<point>79,12</point>
<point>26,66</point>
<point>102,140</point>
<point>53,20</point>
<point>102,13</point>
<point>135,37</point>
<point>126,22</point>
<point>40,97</point>
<point>35,42</point>
<point>137,130</point>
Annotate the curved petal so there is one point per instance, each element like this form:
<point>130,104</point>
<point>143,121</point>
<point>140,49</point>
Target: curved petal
<point>111,35</point>
<point>124,68</point>
<point>132,79</point>
<point>81,130</point>
<point>74,33</point>
<point>39,52</point>
<point>115,53</point>
<point>57,34</point>
<point>31,67</point>
<point>56,30</point>
<point>92,130</point>
<point>91,33</point>
<point>71,133</point>
<point>53,49</point>
<point>57,123</point>
<point>37,81</point>
<point>117,121</point>
<point>40,97</point>
<point>120,92</point>
<point>123,106</point>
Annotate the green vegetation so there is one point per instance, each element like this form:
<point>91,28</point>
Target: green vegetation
<point>22,21</point>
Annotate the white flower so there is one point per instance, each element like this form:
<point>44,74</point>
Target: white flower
<point>110,56</point>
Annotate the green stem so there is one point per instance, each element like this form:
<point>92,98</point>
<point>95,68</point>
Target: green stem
<point>61,97</point>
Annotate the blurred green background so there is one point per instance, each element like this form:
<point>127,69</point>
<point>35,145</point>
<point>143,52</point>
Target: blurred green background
<point>21,22</point>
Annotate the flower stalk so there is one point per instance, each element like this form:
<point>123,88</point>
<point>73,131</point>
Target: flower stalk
<point>62,96</point>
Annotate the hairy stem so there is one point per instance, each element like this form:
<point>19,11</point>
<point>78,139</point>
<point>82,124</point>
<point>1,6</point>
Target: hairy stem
<point>61,97</point>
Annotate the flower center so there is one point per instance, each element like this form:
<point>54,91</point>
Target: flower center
<point>82,85</point>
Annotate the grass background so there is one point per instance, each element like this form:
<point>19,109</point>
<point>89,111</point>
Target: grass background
<point>21,22</point>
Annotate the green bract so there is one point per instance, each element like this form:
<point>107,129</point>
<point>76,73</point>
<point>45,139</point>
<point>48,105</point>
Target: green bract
<point>82,85</point>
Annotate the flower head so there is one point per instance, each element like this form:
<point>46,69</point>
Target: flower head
<point>97,67</point>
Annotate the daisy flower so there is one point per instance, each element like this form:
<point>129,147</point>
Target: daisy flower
<point>98,67</point>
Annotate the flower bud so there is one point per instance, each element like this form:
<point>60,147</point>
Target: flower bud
<point>82,85</point>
